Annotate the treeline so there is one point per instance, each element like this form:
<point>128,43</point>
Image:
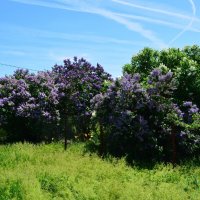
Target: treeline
<point>151,112</point>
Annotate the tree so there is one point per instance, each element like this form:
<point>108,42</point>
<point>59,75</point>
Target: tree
<point>185,64</point>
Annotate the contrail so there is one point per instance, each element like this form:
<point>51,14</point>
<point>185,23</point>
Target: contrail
<point>157,21</point>
<point>189,25</point>
<point>133,26</point>
<point>155,10</point>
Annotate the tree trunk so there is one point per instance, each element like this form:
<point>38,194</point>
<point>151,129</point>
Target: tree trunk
<point>102,145</point>
<point>174,153</point>
<point>65,133</point>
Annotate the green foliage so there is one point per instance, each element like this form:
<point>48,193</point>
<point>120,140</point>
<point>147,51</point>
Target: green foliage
<point>184,63</point>
<point>188,139</point>
<point>144,62</point>
<point>171,58</point>
<point>127,68</point>
<point>47,172</point>
<point>193,52</point>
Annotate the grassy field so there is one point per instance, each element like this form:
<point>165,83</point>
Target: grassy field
<point>35,172</point>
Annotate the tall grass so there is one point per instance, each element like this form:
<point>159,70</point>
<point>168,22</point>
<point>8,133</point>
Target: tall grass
<point>34,172</point>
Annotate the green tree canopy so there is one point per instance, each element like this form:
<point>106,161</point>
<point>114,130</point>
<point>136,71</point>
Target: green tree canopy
<point>184,63</point>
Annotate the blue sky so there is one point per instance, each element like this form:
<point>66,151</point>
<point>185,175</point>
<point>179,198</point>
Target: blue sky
<point>37,34</point>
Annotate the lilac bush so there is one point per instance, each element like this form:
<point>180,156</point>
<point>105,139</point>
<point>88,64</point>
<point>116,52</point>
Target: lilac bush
<point>26,98</point>
<point>138,120</point>
<point>78,82</point>
<point>51,98</point>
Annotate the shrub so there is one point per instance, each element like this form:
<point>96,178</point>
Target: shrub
<point>141,121</point>
<point>78,82</point>
<point>28,102</point>
<point>42,106</point>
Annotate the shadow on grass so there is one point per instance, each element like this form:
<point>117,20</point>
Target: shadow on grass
<point>148,163</point>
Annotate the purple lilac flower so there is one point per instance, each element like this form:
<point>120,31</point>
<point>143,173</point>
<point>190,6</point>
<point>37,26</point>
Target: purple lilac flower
<point>150,82</point>
<point>46,114</point>
<point>155,73</point>
<point>169,75</point>
<point>1,103</point>
<point>194,109</point>
<point>177,110</point>
<point>187,104</point>
<point>42,95</point>
<point>136,77</point>
<point>162,78</point>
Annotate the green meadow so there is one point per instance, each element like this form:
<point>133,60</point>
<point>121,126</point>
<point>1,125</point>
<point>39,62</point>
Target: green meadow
<point>46,171</point>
